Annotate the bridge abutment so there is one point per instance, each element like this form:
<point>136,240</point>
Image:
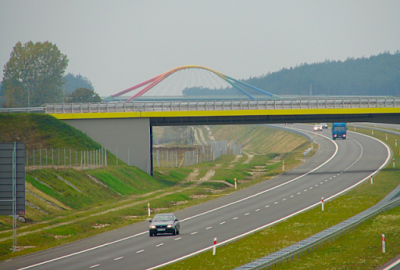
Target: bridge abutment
<point>121,137</point>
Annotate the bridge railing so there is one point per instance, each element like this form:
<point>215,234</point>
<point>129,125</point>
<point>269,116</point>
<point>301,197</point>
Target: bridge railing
<point>223,105</point>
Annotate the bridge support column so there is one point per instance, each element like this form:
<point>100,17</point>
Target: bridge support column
<point>122,134</point>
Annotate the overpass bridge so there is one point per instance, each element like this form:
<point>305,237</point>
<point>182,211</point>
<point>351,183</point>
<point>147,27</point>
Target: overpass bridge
<point>129,125</point>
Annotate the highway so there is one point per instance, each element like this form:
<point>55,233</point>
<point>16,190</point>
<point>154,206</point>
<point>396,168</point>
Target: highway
<point>336,166</point>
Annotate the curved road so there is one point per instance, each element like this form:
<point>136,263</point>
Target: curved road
<point>336,166</point>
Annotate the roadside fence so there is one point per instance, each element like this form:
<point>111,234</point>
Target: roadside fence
<point>65,158</point>
<point>205,153</point>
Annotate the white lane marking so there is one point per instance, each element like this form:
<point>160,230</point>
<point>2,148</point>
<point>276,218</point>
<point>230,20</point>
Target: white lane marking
<point>198,215</point>
<point>305,190</point>
<point>326,180</point>
<point>140,251</point>
<point>330,178</point>
<point>275,202</point>
<point>257,210</point>
<point>247,214</point>
<point>392,264</point>
<point>193,233</point>
<point>267,206</point>
<point>316,185</point>
<point>291,196</point>
<point>223,222</point>
<point>119,258</point>
<point>334,176</point>
<point>93,266</point>
<point>284,199</point>
<point>159,245</point>
<point>321,183</point>
<point>176,239</point>
<point>311,187</point>
<point>235,218</point>
<point>208,228</point>
<point>299,193</point>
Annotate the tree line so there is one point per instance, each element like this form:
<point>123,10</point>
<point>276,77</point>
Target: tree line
<point>376,75</point>
<point>35,74</point>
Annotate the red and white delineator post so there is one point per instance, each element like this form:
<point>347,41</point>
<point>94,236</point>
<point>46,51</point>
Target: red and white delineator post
<point>395,142</point>
<point>322,203</point>
<point>383,243</point>
<point>394,165</point>
<point>235,184</point>
<point>283,166</point>
<point>215,246</point>
<point>148,208</point>
<point>372,180</point>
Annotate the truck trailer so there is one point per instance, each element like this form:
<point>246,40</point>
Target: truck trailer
<point>339,130</point>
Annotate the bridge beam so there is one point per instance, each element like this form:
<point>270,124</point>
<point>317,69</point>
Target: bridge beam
<point>119,136</point>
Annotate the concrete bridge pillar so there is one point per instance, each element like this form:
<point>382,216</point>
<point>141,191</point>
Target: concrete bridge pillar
<point>120,135</point>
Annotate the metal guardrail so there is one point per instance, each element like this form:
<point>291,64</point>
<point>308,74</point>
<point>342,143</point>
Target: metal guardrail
<point>23,110</point>
<point>222,105</point>
<point>375,128</point>
<point>157,106</point>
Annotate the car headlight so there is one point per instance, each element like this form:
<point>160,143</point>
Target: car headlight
<point>169,226</point>
<point>152,226</point>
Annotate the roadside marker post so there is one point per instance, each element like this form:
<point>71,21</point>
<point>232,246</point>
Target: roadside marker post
<point>395,142</point>
<point>148,208</point>
<point>215,246</point>
<point>372,131</point>
<point>235,184</point>
<point>283,166</point>
<point>372,180</point>
<point>322,203</point>
<point>394,165</point>
<point>383,243</point>
<point>386,136</point>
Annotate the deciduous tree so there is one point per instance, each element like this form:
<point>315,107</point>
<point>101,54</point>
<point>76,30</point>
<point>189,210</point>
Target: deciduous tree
<point>33,75</point>
<point>82,95</point>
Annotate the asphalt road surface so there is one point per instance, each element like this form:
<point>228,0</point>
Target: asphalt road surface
<point>337,166</point>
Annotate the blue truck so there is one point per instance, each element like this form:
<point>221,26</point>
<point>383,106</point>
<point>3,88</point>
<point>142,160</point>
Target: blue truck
<point>339,130</point>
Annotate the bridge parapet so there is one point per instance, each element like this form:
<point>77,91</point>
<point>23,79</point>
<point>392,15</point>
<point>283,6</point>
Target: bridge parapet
<point>146,106</point>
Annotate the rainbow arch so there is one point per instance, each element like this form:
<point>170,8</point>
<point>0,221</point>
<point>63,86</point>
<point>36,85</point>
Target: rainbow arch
<point>149,84</point>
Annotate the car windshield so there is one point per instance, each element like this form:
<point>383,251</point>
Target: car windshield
<point>163,218</point>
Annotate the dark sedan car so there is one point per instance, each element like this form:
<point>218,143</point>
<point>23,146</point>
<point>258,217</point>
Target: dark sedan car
<point>164,223</point>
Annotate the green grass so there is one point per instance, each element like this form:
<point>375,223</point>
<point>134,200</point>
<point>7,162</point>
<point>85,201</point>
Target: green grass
<point>359,250</point>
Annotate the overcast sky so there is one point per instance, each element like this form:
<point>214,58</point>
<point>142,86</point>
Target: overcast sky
<point>117,44</point>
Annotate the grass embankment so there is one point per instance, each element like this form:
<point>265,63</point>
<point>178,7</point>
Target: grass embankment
<point>360,249</point>
<point>66,205</point>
